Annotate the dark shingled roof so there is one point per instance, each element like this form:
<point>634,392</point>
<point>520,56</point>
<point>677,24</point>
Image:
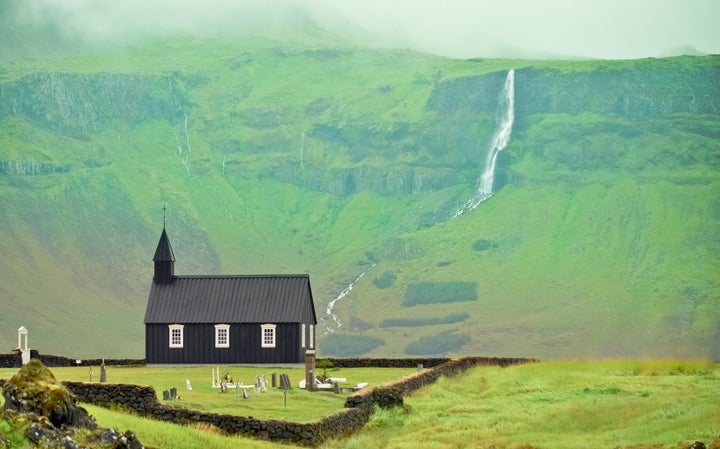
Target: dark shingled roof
<point>230,299</point>
<point>164,252</point>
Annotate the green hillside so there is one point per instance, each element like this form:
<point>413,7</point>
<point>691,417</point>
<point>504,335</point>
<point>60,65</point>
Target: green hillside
<point>601,240</point>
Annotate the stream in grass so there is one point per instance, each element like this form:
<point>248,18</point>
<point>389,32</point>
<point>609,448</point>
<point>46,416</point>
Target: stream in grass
<point>333,322</point>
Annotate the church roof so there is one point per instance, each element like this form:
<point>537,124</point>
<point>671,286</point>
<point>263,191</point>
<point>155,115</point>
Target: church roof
<point>164,252</point>
<point>230,299</point>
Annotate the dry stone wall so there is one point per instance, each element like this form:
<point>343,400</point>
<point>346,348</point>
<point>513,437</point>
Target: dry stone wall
<point>13,359</point>
<point>388,363</point>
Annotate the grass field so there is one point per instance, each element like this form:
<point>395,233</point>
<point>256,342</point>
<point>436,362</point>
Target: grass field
<point>605,404</point>
<point>658,404</point>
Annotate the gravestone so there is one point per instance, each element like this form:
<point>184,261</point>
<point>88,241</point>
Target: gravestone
<point>274,380</point>
<point>166,395</point>
<point>24,351</point>
<point>245,394</point>
<point>103,373</point>
<point>285,382</point>
<point>173,393</point>
<point>336,387</point>
<point>188,385</point>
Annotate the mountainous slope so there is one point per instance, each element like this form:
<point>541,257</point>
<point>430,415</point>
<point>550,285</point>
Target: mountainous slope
<point>349,164</point>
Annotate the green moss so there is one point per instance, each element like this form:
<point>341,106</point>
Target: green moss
<point>33,372</point>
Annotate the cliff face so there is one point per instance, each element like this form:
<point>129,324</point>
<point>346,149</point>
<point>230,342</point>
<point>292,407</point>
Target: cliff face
<point>645,90</point>
<point>79,105</point>
<point>444,148</point>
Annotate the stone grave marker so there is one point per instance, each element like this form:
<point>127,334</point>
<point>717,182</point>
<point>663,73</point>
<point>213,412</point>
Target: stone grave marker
<point>103,372</point>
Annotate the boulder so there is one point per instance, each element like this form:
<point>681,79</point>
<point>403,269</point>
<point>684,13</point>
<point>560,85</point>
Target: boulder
<point>34,390</point>
<point>48,412</point>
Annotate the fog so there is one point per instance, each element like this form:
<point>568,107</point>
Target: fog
<point>611,29</point>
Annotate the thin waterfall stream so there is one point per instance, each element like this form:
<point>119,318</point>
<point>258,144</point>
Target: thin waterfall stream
<point>499,142</point>
<point>332,316</point>
<point>484,184</point>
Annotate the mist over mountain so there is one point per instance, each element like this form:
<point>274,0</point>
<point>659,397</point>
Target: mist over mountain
<point>554,29</point>
<point>683,50</point>
<point>284,149</point>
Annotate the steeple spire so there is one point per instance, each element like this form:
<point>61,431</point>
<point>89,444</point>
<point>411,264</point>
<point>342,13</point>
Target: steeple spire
<point>164,258</point>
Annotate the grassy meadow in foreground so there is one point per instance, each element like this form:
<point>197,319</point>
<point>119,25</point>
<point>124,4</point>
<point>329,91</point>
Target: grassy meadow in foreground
<point>558,405</point>
<point>608,404</point>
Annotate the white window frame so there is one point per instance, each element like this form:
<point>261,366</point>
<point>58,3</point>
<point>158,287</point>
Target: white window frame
<point>312,336</point>
<point>302,335</point>
<point>181,334</point>
<point>268,335</point>
<point>218,331</point>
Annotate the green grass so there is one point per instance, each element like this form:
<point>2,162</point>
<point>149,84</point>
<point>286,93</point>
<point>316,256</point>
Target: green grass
<point>570,404</point>
<point>557,405</point>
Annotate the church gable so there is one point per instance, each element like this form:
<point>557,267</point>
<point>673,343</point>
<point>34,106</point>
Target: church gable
<point>226,318</point>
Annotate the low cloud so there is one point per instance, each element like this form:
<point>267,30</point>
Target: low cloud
<point>455,28</point>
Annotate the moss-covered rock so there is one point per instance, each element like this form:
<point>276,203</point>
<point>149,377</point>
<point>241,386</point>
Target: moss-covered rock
<point>34,389</point>
<point>46,413</point>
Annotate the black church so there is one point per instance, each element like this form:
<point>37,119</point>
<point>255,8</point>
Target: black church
<point>226,319</point>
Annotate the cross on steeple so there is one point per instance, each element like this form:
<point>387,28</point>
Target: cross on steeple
<point>164,216</point>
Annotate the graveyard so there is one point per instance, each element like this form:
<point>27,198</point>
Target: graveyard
<point>239,397</point>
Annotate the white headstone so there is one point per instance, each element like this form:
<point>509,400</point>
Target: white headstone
<point>24,351</point>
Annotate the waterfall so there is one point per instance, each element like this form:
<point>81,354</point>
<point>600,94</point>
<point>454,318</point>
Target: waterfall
<point>499,142</point>
<point>186,157</point>
<point>302,150</point>
<point>331,304</point>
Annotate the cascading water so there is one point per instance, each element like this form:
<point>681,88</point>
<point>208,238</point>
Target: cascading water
<point>484,189</point>
<point>499,142</point>
<point>331,305</point>
<point>185,157</point>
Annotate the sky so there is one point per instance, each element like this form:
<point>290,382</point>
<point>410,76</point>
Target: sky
<point>607,29</point>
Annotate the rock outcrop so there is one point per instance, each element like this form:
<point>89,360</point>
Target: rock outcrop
<point>34,390</point>
<point>50,416</point>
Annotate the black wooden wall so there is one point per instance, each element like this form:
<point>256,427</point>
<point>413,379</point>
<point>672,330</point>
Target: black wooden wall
<point>199,345</point>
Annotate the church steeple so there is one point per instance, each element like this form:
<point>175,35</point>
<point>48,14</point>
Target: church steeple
<point>164,259</point>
